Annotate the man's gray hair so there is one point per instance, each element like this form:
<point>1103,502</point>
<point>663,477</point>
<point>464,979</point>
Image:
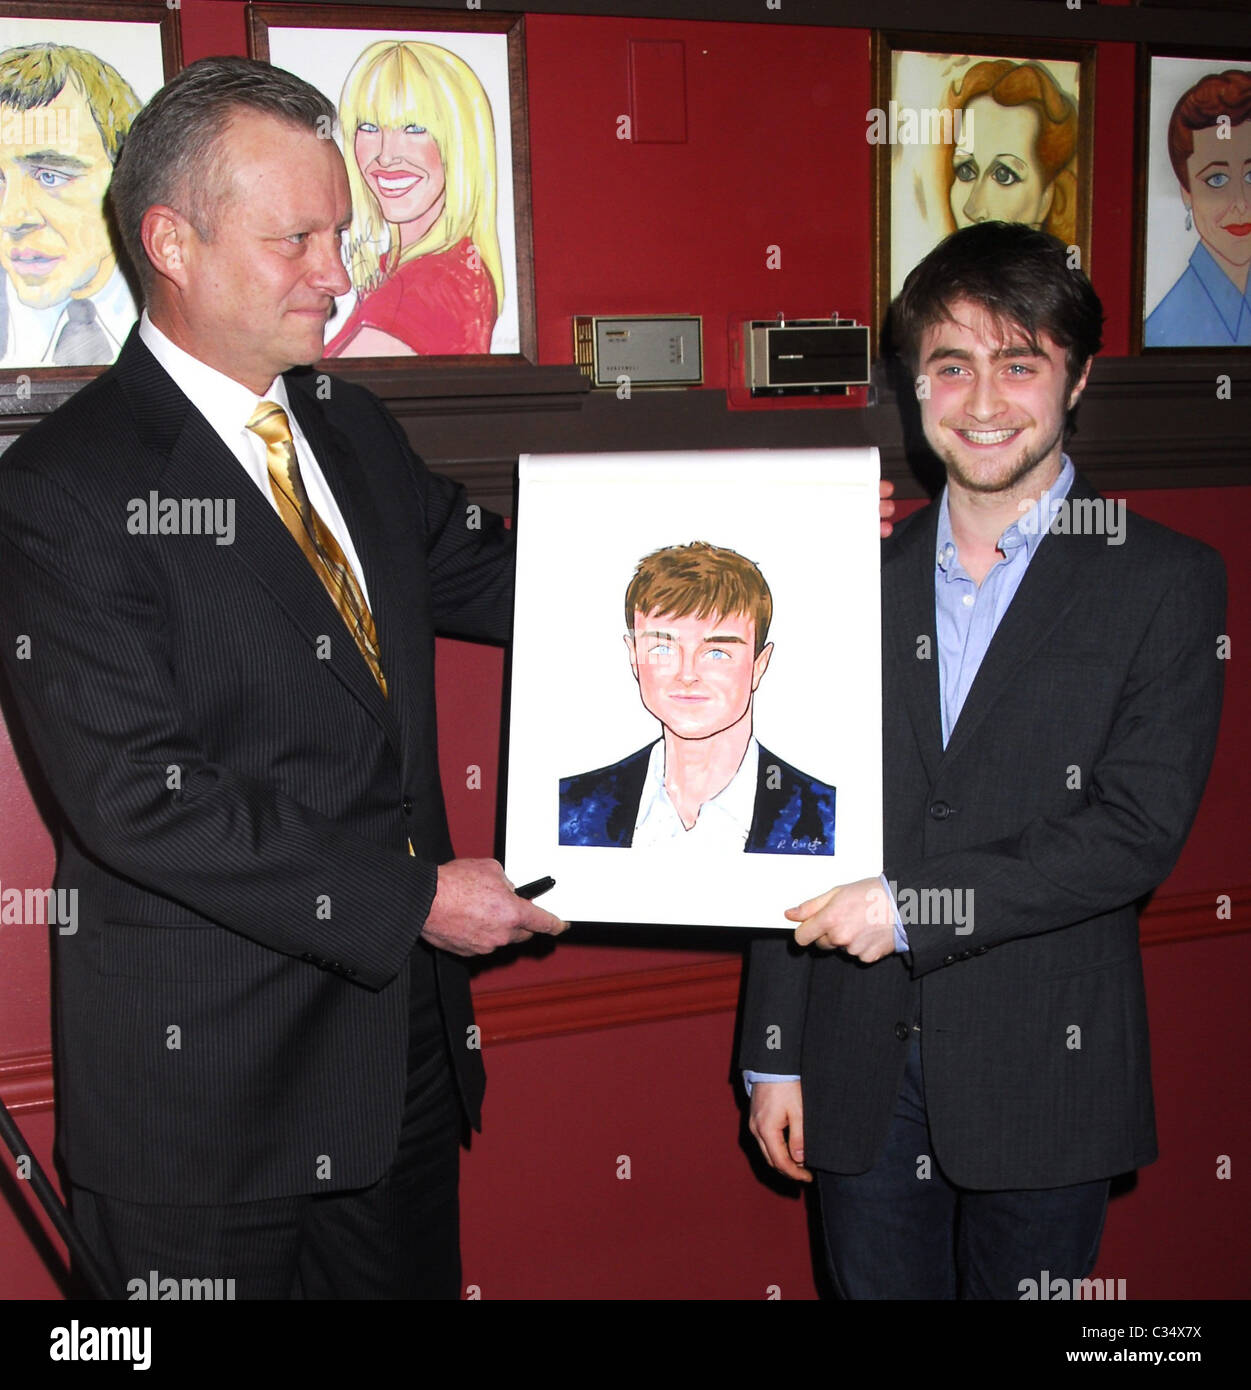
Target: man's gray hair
<point>170,154</point>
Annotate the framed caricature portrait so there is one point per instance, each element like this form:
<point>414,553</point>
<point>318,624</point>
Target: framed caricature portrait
<point>432,122</point>
<point>1001,130</point>
<point>1193,205</point>
<point>695,711</point>
<point>72,78</point>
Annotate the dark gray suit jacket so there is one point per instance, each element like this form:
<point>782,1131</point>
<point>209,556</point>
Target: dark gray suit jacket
<point>1064,796</point>
<point>236,799</point>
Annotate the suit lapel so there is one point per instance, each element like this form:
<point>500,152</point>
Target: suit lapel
<point>1046,595</point>
<point>198,464</point>
<point>907,618</point>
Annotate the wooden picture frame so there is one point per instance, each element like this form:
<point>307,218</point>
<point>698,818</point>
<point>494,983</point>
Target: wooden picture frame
<point>62,151</point>
<point>922,111</point>
<point>1189,248</point>
<point>467,298</point>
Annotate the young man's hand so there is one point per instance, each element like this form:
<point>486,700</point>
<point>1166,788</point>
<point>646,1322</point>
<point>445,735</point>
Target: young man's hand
<point>777,1122</point>
<point>855,918</point>
<point>885,507</point>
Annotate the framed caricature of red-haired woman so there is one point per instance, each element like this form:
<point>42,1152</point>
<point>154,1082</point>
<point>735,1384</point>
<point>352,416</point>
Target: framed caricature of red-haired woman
<point>1001,131</point>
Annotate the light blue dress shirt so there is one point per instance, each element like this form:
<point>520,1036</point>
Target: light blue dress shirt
<point>966,616</point>
<point>1203,309</point>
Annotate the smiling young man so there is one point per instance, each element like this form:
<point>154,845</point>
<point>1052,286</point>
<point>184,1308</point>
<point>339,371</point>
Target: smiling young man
<point>697,627</point>
<point>265,1045</point>
<point>964,1084</point>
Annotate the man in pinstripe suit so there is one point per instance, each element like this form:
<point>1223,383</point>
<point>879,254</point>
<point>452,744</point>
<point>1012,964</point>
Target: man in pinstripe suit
<point>264,1035</point>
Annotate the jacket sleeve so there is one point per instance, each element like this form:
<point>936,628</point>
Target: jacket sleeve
<point>775,1003</point>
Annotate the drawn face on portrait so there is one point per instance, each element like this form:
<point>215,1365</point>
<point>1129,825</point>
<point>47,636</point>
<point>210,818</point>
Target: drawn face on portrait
<point>54,241</point>
<point>403,169</point>
<point>697,675</point>
<point>998,176</point>
<point>1219,193</point>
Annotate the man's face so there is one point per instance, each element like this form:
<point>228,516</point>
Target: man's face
<point>255,298</point>
<point>54,242</point>
<point>1220,192</point>
<point>696,675</point>
<point>996,407</point>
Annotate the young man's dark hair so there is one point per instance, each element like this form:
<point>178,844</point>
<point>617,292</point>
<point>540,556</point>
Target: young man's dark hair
<point>1020,276</point>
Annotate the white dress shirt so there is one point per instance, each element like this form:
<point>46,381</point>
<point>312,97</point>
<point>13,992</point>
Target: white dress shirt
<point>723,823</point>
<point>228,405</point>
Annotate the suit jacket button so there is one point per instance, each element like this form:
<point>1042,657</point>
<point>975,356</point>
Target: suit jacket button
<point>940,810</point>
<point>408,805</point>
<point>902,1031</point>
<point>949,960</point>
<point>980,950</point>
<point>309,957</point>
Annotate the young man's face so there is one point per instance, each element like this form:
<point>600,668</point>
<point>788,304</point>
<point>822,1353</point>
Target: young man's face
<point>54,241</point>
<point>996,407</point>
<point>696,675</point>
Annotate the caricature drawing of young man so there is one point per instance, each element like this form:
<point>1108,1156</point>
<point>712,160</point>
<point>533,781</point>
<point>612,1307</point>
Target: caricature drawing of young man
<point>697,620</point>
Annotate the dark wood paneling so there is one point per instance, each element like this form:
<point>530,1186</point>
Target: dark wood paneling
<point>1144,423</point>
<point>1049,18</point>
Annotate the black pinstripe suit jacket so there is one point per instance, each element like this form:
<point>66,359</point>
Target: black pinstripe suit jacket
<point>1064,795</point>
<point>236,793</point>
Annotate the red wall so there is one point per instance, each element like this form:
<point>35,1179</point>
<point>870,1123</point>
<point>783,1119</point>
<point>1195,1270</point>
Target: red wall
<point>775,155</point>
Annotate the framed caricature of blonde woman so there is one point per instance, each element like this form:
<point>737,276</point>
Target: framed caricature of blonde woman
<point>432,125</point>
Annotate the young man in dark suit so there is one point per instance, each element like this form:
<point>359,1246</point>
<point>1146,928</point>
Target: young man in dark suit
<point>964,1083</point>
<point>265,1042</point>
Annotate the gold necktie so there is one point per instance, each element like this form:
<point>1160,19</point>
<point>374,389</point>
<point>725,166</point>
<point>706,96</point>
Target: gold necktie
<point>312,534</point>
